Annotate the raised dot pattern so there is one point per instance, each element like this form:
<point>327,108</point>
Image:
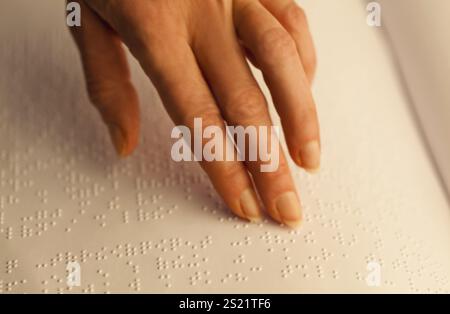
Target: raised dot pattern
<point>147,224</point>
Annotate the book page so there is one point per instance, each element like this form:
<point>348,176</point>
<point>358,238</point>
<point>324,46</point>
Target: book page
<point>376,218</point>
<point>419,36</point>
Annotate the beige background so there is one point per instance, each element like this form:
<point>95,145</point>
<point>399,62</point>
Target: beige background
<point>418,31</point>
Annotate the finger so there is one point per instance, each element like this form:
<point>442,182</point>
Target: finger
<point>186,96</point>
<point>276,54</point>
<point>108,79</point>
<point>243,104</point>
<point>293,19</point>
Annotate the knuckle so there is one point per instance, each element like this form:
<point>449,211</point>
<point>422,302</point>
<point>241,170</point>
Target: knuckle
<point>308,115</point>
<point>277,44</point>
<point>138,25</point>
<point>100,92</point>
<point>232,170</point>
<point>295,16</point>
<point>142,41</point>
<point>209,117</point>
<point>247,104</point>
<point>310,64</point>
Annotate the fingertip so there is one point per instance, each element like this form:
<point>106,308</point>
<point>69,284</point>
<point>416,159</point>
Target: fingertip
<point>295,155</point>
<point>309,156</point>
<point>295,224</point>
<point>123,142</point>
<point>250,206</point>
<point>289,209</point>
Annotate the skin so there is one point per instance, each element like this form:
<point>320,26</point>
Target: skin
<point>195,52</point>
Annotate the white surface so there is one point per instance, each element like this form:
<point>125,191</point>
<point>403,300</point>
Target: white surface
<point>419,34</point>
<point>147,224</point>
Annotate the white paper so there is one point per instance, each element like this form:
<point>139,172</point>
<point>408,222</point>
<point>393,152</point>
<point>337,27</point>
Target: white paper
<point>147,224</point>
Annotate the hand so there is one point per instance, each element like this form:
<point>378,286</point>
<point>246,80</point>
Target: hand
<point>194,52</point>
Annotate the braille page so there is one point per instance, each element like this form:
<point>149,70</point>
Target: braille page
<point>418,34</point>
<point>376,218</point>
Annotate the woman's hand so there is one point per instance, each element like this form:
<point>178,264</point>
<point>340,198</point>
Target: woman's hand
<point>194,52</point>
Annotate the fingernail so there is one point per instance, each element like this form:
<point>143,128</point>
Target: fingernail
<point>249,205</point>
<point>288,206</point>
<point>118,139</point>
<point>310,156</point>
